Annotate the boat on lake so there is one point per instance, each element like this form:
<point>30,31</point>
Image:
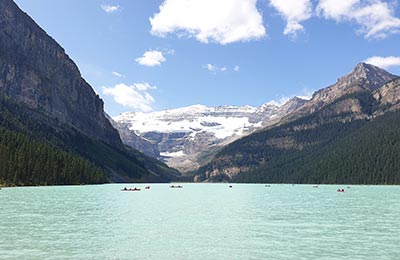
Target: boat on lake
<point>134,189</point>
<point>176,187</point>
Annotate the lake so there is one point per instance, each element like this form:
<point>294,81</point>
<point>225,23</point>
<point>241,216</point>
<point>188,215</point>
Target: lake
<point>200,222</point>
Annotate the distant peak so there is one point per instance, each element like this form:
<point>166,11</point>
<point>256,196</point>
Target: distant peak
<point>363,67</point>
<point>369,76</point>
<point>297,99</point>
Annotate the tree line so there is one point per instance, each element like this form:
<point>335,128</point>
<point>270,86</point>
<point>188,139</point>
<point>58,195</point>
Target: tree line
<point>25,161</point>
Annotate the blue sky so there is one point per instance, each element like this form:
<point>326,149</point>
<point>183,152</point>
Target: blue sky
<point>154,54</point>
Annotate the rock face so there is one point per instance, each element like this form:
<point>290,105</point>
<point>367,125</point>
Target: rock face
<point>36,71</point>
<point>130,139</point>
<point>364,77</point>
<point>45,98</point>
<point>361,96</point>
<point>187,138</point>
<point>389,94</point>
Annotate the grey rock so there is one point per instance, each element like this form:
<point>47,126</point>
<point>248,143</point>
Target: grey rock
<point>364,77</point>
<point>190,148</point>
<point>36,71</point>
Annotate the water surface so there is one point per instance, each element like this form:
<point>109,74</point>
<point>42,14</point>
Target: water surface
<point>200,221</point>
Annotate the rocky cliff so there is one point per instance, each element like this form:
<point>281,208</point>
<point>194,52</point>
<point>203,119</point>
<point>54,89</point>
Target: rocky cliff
<point>45,101</point>
<point>36,71</point>
<point>364,77</point>
<point>389,95</point>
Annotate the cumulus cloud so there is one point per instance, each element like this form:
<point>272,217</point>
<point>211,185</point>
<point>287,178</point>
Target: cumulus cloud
<point>144,86</point>
<point>110,8</point>
<point>294,12</point>
<point>222,21</point>
<point>151,58</point>
<point>384,62</point>
<point>236,68</point>
<point>376,18</point>
<point>135,96</point>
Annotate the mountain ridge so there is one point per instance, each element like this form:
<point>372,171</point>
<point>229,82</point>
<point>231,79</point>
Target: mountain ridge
<point>288,146</point>
<point>37,72</point>
<point>364,77</point>
<point>186,137</point>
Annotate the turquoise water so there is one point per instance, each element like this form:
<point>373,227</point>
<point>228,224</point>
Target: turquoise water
<point>200,221</point>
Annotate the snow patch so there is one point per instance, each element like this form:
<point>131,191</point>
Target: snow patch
<point>173,154</point>
<point>221,121</point>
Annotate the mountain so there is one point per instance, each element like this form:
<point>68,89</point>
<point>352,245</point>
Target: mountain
<point>45,102</point>
<point>347,133</point>
<point>364,77</point>
<point>130,139</point>
<point>389,95</point>
<point>37,72</point>
<point>187,138</point>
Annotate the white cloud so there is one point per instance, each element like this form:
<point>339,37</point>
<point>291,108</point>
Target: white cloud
<point>376,18</point>
<point>119,75</point>
<point>294,12</point>
<point>135,96</point>
<point>151,58</point>
<point>211,67</point>
<point>279,102</point>
<point>215,68</point>
<point>110,8</point>
<point>221,21</point>
<point>384,62</point>
<point>144,86</point>
<point>304,94</point>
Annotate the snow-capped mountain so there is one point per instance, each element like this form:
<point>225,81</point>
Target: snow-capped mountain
<point>187,137</point>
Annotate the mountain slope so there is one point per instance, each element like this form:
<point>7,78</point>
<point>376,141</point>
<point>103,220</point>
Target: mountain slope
<point>364,77</point>
<point>366,152</point>
<point>45,101</point>
<point>351,139</point>
<point>187,138</point>
<point>36,71</point>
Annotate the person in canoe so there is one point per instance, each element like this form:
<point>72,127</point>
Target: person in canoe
<point>126,189</point>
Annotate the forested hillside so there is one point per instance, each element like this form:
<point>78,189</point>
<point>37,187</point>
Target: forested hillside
<point>87,160</point>
<point>360,152</point>
<point>24,161</point>
<point>360,145</point>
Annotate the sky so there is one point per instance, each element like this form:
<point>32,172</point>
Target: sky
<point>151,55</point>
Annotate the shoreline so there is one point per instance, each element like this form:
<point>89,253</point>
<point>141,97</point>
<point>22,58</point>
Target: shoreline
<point>204,183</point>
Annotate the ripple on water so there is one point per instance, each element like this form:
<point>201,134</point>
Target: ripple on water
<point>200,221</point>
